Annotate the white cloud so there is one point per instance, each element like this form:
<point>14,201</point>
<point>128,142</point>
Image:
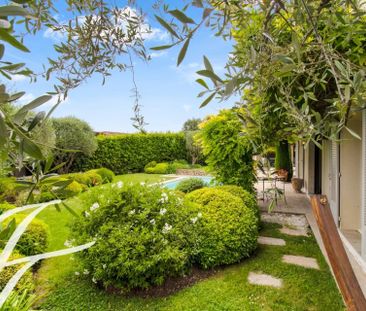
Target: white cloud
<point>187,71</point>
<point>55,35</point>
<point>121,18</point>
<point>18,78</point>
<point>158,54</point>
<point>27,98</point>
<point>155,34</point>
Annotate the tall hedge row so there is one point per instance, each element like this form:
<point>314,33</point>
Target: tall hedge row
<point>131,152</point>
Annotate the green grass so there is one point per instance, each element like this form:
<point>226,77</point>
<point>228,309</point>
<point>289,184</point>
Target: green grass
<point>304,289</point>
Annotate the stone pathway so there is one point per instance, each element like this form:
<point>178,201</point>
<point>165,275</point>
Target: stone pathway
<point>300,229</point>
<point>264,280</point>
<point>271,241</point>
<point>294,232</point>
<point>306,262</point>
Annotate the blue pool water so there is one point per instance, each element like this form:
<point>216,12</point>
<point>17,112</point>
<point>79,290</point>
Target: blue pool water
<point>173,184</point>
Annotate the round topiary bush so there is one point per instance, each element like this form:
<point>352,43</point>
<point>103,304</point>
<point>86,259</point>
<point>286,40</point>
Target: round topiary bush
<point>6,206</point>
<point>89,178</point>
<point>149,165</point>
<point>230,228</point>
<point>74,188</point>
<point>248,198</point>
<point>190,184</point>
<point>160,168</point>
<point>106,174</point>
<point>143,235</point>
<point>35,238</point>
<point>26,282</point>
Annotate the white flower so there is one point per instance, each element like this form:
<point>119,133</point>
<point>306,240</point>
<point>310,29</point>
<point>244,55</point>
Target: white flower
<point>199,215</point>
<point>86,272</point>
<point>77,273</point>
<point>68,243</point>
<point>104,266</point>
<point>164,198</point>
<point>87,214</point>
<point>162,211</point>
<point>131,212</point>
<point>142,183</point>
<point>120,184</point>
<point>94,206</point>
<point>194,220</point>
<point>166,228</point>
<point>94,280</point>
<point>152,221</point>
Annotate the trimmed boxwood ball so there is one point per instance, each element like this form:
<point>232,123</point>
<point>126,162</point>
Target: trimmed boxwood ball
<point>89,178</point>
<point>35,238</point>
<point>71,190</point>
<point>26,282</point>
<point>6,206</point>
<point>144,235</point>
<point>106,174</point>
<point>248,198</point>
<point>190,184</point>
<point>230,228</point>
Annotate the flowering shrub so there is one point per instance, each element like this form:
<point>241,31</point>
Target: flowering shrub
<point>143,235</point>
<point>230,228</point>
<point>247,197</point>
<point>190,184</point>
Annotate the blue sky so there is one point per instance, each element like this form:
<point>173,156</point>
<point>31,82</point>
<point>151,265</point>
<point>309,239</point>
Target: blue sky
<point>168,94</point>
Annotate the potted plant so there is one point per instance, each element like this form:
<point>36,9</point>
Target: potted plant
<point>297,184</point>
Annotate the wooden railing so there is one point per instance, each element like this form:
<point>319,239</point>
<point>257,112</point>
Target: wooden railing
<point>342,269</point>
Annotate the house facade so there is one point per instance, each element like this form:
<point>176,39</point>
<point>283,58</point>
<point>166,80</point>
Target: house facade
<point>338,170</point>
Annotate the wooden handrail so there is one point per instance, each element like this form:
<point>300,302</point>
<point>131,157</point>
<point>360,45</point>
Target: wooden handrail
<point>342,269</point>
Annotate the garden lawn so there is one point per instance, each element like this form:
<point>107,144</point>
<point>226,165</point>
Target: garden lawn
<point>53,270</point>
<point>228,289</point>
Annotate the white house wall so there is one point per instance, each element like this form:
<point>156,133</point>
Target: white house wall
<point>351,176</point>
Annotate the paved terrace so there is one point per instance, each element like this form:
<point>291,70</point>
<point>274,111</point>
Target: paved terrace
<point>299,203</point>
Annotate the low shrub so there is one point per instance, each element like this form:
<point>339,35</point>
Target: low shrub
<point>106,174</point>
<point>89,178</point>
<point>6,206</point>
<point>26,282</point>
<point>190,184</point>
<point>74,188</point>
<point>160,168</point>
<point>248,198</point>
<point>8,191</point>
<point>230,229</point>
<point>150,165</point>
<point>165,167</point>
<point>35,238</point>
<point>143,235</point>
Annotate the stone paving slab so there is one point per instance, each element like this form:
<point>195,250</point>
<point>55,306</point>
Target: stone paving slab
<point>298,221</point>
<point>271,241</point>
<point>306,262</point>
<point>294,232</point>
<point>264,280</point>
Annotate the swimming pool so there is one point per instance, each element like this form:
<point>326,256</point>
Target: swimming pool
<point>173,183</point>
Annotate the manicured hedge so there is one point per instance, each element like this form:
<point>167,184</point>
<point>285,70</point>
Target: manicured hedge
<point>131,152</point>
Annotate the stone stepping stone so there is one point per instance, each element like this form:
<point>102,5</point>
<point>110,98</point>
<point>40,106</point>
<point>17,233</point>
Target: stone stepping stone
<point>271,241</point>
<point>294,232</point>
<point>264,280</point>
<point>306,262</point>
